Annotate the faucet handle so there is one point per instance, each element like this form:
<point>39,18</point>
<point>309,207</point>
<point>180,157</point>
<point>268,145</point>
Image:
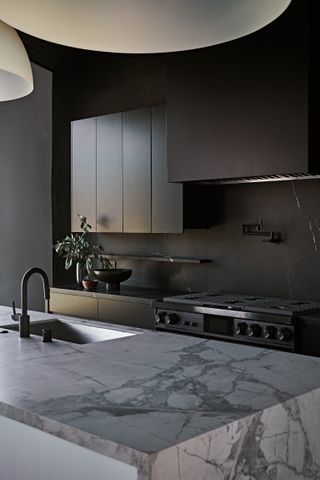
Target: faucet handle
<point>15,316</point>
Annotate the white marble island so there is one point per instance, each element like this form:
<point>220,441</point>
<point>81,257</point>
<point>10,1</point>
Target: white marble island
<point>174,407</point>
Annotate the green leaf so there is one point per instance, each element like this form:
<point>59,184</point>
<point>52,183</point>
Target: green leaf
<point>78,247</point>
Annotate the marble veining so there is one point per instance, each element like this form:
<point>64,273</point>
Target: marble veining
<point>174,406</point>
<point>279,443</point>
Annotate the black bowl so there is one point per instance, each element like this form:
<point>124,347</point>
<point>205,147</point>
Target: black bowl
<point>112,277</point>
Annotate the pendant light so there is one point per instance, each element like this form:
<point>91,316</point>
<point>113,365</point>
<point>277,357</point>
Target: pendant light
<point>15,70</point>
<point>140,26</point>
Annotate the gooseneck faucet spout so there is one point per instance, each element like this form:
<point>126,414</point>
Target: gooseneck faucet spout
<point>24,318</point>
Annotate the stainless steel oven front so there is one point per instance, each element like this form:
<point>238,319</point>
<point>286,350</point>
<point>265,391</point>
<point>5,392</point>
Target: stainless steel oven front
<point>224,324</point>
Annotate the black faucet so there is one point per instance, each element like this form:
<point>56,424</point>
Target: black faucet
<point>24,318</point>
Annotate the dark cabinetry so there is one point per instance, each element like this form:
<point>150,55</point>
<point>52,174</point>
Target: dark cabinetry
<point>119,174</point>
<point>74,305</point>
<point>83,167</point>
<point>167,200</point>
<point>125,313</point>
<point>137,170</point>
<point>134,312</point>
<point>109,173</point>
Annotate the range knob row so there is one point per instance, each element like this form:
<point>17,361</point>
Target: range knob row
<point>167,318</point>
<point>268,332</point>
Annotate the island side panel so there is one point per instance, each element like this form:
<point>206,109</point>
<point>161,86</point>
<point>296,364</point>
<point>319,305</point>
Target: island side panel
<point>26,452</point>
<point>279,442</point>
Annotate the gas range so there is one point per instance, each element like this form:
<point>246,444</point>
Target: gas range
<point>257,320</point>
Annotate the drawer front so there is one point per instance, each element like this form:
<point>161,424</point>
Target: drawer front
<point>74,305</point>
<point>125,313</point>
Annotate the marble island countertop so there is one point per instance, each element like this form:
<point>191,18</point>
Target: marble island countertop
<point>176,407</point>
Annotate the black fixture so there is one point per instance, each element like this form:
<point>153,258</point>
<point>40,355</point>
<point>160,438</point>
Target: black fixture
<point>23,318</point>
<point>46,334</point>
<point>259,229</point>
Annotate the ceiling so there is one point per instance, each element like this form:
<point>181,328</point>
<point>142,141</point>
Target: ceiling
<point>56,57</point>
<point>53,56</point>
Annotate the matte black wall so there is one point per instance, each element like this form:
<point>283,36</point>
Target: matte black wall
<point>25,189</point>
<point>243,264</point>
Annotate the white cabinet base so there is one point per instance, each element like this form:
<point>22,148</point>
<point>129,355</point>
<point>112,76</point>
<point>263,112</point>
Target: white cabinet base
<point>30,454</point>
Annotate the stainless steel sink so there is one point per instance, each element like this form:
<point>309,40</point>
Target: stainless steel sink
<point>72,332</point>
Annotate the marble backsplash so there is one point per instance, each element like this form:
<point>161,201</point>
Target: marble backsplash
<point>240,263</point>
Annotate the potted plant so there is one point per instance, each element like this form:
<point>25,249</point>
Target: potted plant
<point>79,250</point>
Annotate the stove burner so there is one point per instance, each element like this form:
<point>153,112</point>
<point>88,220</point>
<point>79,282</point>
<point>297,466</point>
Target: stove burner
<point>247,303</point>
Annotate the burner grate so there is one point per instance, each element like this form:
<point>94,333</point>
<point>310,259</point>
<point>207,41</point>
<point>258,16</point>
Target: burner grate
<point>247,303</point>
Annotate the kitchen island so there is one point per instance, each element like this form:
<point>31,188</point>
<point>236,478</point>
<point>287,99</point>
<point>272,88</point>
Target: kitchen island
<point>174,407</point>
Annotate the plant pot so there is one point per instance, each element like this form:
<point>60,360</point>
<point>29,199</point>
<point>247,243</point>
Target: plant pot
<point>89,284</point>
<point>80,273</point>
<point>112,277</point>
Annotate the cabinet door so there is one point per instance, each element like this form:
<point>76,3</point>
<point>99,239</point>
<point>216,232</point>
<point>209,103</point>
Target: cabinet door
<point>167,209</point>
<point>74,305</point>
<point>137,171</point>
<point>83,172</point>
<point>125,313</point>
<point>109,173</point>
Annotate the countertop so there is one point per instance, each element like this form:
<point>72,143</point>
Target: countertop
<point>174,406</point>
<point>126,293</point>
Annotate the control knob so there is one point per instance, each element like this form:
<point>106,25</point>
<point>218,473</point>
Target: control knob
<point>240,328</point>
<point>253,330</point>
<point>269,332</point>
<point>283,334</point>
<point>159,317</point>
<point>171,318</point>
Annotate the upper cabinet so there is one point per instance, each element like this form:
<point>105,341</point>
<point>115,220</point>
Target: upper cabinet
<point>137,168</point>
<point>239,109</point>
<point>119,174</point>
<point>166,199</point>
<point>109,170</point>
<point>83,168</point>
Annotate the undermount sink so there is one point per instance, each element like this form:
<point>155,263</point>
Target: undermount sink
<point>72,332</point>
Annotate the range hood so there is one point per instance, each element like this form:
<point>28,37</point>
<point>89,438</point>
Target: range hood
<point>238,112</point>
<point>258,179</point>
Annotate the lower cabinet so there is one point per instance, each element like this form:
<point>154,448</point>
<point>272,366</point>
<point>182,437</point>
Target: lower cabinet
<point>74,305</point>
<point>120,312</point>
<point>125,313</point>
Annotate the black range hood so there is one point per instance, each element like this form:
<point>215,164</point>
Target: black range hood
<point>238,112</point>
<point>257,179</point>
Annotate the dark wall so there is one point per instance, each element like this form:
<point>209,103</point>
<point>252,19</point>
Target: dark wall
<point>120,82</point>
<point>25,190</point>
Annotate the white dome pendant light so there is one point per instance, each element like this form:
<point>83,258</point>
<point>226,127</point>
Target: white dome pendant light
<point>15,70</point>
<point>140,26</point>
